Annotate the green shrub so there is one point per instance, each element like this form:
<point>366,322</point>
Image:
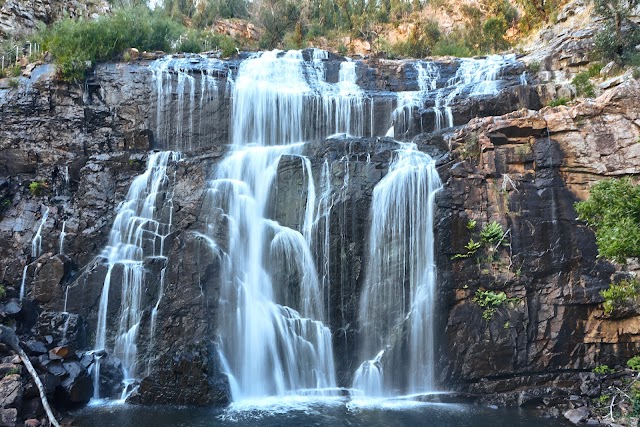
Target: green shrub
<point>76,44</point>
<point>471,247</point>
<point>3,291</point>
<point>471,225</point>
<point>603,370</point>
<point>534,67</point>
<point>558,101</point>
<point>537,13</point>
<point>594,70</point>
<point>492,233</point>
<point>36,188</point>
<point>200,41</point>
<point>420,42</point>
<point>619,294</point>
<point>471,149</point>
<point>617,40</point>
<point>613,209</point>
<point>451,46</point>
<point>490,301</point>
<point>12,371</point>
<point>634,363</point>
<point>14,83</point>
<point>583,85</point>
<point>15,70</point>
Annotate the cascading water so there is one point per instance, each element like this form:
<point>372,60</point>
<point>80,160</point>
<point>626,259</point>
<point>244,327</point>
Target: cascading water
<point>401,276</point>
<point>137,234</point>
<point>272,339</point>
<point>474,77</point>
<point>179,122</point>
<point>63,234</point>
<point>275,301</point>
<point>36,243</point>
<point>428,75</point>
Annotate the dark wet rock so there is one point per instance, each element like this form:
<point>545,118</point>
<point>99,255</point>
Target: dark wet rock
<point>111,375</point>
<point>8,417</point>
<point>184,379</point>
<point>47,283</point>
<point>11,391</point>
<point>68,329</point>
<point>35,347</point>
<point>77,387</point>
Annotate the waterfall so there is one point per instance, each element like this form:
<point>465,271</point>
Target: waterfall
<point>406,102</point>
<point>369,377</point>
<point>272,337</point>
<point>175,80</point>
<point>62,236</point>
<point>36,243</point>
<point>400,277</point>
<point>138,233</point>
<point>322,233</point>
<point>23,283</point>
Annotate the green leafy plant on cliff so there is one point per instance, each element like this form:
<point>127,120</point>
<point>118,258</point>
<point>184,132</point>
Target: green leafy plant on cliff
<point>624,292</point>
<point>613,210</point>
<point>492,233</point>
<point>603,370</point>
<point>556,102</point>
<point>36,188</point>
<point>471,247</point>
<point>583,85</point>
<point>490,301</point>
<point>634,363</point>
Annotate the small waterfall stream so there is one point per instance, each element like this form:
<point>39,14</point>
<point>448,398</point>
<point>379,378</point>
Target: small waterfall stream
<point>398,296</point>
<point>138,233</point>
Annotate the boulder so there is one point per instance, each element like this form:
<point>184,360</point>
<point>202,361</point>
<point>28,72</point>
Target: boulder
<point>578,415</point>
<point>11,391</point>
<point>46,284</point>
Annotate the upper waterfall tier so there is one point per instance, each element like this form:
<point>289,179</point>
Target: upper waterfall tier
<point>311,94</point>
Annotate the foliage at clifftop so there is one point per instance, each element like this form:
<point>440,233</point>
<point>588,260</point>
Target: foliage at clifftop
<point>186,26</point>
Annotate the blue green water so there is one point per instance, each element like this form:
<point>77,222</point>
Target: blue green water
<point>332,412</point>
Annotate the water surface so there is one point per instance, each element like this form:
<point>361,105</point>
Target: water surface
<point>333,412</point>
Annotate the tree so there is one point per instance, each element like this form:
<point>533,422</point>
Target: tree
<point>493,30</point>
<point>620,35</point>
<point>276,17</point>
<point>537,12</point>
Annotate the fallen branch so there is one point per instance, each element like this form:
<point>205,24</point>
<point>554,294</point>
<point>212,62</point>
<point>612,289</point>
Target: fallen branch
<point>9,337</point>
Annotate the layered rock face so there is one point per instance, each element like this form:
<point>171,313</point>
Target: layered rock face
<point>19,17</point>
<point>528,170</point>
<point>72,152</point>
